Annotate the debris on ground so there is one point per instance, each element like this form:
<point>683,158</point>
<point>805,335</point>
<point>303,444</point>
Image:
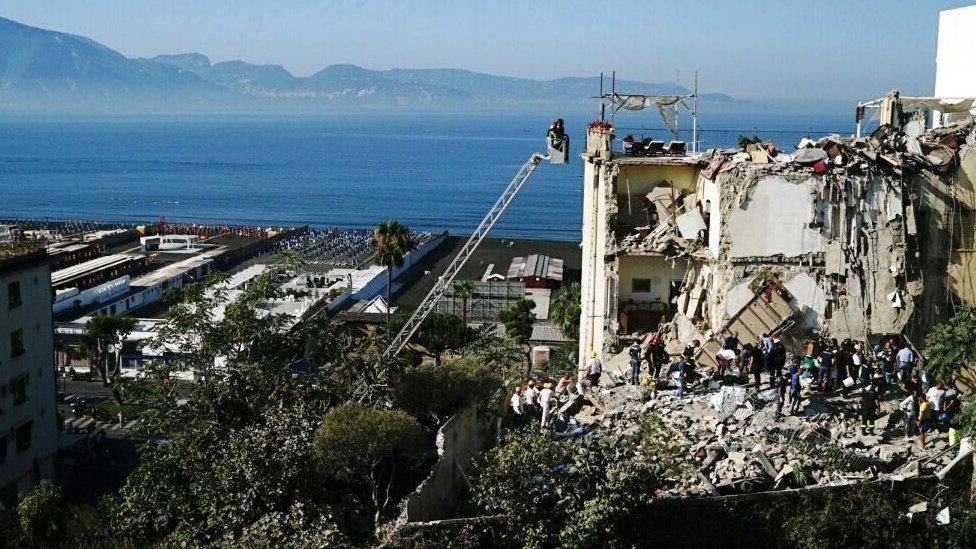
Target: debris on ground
<point>739,444</point>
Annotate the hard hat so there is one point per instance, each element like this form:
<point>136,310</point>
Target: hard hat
<point>593,354</point>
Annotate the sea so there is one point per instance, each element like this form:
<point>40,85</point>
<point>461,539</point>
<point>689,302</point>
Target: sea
<point>432,172</point>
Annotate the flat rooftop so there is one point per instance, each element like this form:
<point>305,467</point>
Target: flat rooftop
<point>684,160</point>
<point>174,270</point>
<point>66,247</point>
<point>12,257</point>
<point>69,274</point>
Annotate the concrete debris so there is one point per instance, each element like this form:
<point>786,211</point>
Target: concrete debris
<point>738,443</point>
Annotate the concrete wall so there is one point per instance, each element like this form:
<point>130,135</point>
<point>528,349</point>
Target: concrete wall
<point>458,441</point>
<point>775,220</point>
<point>660,272</point>
<point>594,280</point>
<point>962,264</point>
<point>638,180</point>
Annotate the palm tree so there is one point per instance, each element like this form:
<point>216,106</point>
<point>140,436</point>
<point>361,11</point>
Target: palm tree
<point>464,290</point>
<point>392,241</point>
<point>564,311</point>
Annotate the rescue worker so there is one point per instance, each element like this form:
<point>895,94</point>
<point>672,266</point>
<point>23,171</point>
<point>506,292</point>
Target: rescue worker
<point>545,401</point>
<point>635,362</point>
<point>556,134</point>
<point>593,369</point>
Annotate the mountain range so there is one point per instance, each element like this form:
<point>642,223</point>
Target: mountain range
<point>49,70</point>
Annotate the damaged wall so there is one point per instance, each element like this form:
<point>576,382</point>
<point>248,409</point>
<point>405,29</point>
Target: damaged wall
<point>860,234</point>
<point>776,218</point>
<point>835,240</point>
<point>864,237</point>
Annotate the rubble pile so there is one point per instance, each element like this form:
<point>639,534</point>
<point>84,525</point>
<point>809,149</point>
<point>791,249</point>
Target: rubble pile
<point>735,441</point>
<point>679,231</point>
<point>887,148</point>
<point>847,239</point>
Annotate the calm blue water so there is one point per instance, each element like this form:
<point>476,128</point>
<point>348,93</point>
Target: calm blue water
<point>432,172</point>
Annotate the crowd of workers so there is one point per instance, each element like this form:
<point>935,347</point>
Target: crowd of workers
<point>889,369</point>
<point>537,400</point>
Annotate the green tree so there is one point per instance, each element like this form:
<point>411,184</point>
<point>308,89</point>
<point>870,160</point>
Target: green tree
<point>44,517</point>
<point>432,393</point>
<point>438,334</point>
<point>210,484</point>
<point>518,320</point>
<point>392,242</point>
<point>869,515</point>
<point>234,460</point>
<point>40,514</point>
<point>366,448</point>
<point>564,311</point>
<point>949,346</point>
<point>464,290</point>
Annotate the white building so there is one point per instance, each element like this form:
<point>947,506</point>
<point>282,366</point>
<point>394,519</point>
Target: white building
<point>28,417</point>
<point>955,71</point>
<point>626,286</point>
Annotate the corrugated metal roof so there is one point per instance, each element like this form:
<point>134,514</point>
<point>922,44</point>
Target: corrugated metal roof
<point>99,263</point>
<point>536,265</point>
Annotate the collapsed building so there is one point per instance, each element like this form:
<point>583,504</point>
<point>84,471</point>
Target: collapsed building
<point>845,237</point>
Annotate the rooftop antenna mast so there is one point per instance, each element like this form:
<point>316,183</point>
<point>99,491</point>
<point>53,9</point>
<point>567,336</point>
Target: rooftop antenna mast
<point>694,119</point>
<point>603,101</point>
<point>613,93</point>
<point>677,112</point>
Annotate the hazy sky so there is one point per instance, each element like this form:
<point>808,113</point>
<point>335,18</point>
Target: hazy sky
<point>779,49</point>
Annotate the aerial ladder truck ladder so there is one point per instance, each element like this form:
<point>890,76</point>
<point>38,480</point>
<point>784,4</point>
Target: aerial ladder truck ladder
<point>558,154</point>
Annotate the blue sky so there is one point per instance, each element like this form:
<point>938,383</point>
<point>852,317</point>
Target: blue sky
<point>785,50</point>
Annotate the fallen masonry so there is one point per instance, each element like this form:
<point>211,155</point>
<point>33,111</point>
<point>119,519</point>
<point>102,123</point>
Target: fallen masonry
<point>737,444</point>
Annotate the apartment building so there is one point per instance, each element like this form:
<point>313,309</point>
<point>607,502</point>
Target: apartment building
<point>28,414</point>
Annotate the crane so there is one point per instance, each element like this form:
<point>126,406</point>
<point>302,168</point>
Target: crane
<point>558,154</point>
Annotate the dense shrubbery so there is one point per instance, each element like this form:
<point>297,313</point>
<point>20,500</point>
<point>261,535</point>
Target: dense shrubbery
<point>590,492</point>
<point>949,346</point>
<point>44,518</point>
<point>433,393</point>
<point>259,455</point>
<point>367,449</point>
<point>869,517</point>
